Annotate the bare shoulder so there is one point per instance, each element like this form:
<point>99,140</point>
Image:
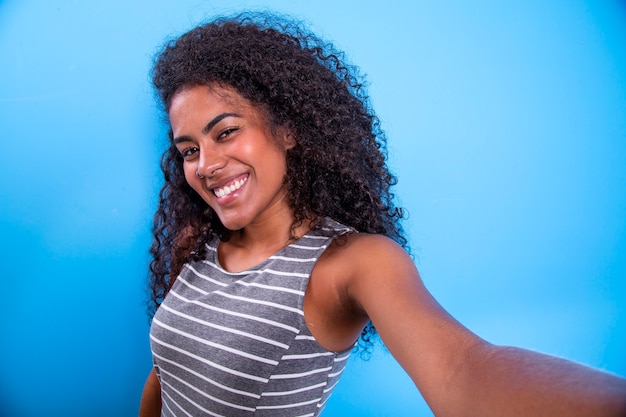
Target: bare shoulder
<point>347,284</point>
<point>360,250</point>
<point>362,264</point>
<point>362,256</point>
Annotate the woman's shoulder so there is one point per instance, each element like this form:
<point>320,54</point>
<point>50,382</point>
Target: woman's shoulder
<point>357,253</point>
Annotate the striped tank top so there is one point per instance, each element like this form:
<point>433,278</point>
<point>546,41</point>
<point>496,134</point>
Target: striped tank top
<point>236,344</point>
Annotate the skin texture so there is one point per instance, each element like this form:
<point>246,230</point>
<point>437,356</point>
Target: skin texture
<point>223,137</point>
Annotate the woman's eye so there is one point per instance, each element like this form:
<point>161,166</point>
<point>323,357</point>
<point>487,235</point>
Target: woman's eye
<point>187,153</point>
<point>226,132</point>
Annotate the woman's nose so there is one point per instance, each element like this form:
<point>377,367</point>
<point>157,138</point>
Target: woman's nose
<point>210,162</point>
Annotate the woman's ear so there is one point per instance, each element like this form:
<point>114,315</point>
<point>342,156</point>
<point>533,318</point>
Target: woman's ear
<point>289,140</point>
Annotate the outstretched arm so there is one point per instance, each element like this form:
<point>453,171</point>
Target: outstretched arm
<point>530,383</point>
<point>458,373</point>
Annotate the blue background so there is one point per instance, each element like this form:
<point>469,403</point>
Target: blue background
<point>507,127</point>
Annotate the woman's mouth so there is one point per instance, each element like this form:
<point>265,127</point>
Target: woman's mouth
<point>230,187</point>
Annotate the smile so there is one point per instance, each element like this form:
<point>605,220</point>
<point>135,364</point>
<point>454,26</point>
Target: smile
<point>229,188</point>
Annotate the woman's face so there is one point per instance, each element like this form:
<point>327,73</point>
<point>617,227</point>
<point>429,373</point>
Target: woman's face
<point>231,158</point>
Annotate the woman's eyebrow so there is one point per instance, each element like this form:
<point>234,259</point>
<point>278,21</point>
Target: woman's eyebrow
<point>216,120</point>
<point>206,129</point>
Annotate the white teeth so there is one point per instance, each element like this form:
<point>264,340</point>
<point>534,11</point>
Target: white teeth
<point>227,189</point>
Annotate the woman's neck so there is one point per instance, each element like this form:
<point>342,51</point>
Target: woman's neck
<point>260,240</point>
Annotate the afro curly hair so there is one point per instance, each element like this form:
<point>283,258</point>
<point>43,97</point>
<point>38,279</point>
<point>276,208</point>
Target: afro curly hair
<point>338,166</point>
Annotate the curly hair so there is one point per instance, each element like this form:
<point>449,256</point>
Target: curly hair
<point>336,169</point>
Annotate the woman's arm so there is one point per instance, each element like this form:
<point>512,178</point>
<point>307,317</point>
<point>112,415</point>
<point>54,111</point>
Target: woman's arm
<point>458,373</point>
<point>530,383</point>
<point>151,398</point>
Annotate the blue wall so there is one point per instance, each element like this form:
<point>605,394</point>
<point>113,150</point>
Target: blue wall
<point>507,130</point>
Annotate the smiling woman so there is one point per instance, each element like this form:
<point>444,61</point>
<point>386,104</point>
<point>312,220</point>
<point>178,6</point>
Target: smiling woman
<point>278,243</point>
<point>506,131</point>
<point>230,156</point>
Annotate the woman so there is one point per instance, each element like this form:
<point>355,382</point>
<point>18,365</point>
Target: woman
<point>277,244</point>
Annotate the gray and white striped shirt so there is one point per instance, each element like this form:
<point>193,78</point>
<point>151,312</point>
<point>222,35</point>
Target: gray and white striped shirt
<point>236,344</point>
